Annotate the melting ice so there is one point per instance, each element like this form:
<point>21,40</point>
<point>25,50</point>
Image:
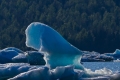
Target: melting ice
<point>57,51</point>
<point>62,59</point>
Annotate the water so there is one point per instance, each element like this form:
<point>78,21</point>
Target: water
<point>113,66</point>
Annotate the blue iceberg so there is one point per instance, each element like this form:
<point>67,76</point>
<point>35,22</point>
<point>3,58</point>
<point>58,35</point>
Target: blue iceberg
<point>15,55</point>
<point>57,51</point>
<point>115,55</point>
<point>7,54</point>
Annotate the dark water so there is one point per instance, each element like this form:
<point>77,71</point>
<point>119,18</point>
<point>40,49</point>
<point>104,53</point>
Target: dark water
<point>114,66</point>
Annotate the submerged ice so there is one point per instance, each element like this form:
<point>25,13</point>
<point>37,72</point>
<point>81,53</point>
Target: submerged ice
<point>57,51</point>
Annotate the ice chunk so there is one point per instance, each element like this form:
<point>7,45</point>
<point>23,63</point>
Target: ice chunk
<point>64,73</point>
<point>10,70</point>
<point>57,51</point>
<point>7,54</point>
<point>35,58</point>
<point>115,55</point>
<point>115,76</point>
<point>43,73</point>
<point>14,55</point>
<point>31,57</point>
<point>117,51</point>
<point>35,74</point>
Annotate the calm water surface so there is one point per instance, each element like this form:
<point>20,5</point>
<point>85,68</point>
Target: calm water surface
<point>114,66</point>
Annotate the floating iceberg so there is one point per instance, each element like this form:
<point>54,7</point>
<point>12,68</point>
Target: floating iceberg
<point>57,51</point>
<point>15,55</point>
<point>7,54</point>
<point>115,55</point>
<point>35,58</point>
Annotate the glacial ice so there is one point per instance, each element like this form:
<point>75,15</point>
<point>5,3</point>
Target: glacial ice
<point>41,73</point>
<point>15,55</point>
<point>35,58</point>
<point>57,51</point>
<point>115,55</point>
<point>13,49</point>
<point>7,54</point>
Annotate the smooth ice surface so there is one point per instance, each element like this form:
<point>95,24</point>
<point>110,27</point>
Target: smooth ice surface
<point>57,51</point>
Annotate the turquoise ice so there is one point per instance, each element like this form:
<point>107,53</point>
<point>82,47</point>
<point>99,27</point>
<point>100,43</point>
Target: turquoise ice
<point>57,51</point>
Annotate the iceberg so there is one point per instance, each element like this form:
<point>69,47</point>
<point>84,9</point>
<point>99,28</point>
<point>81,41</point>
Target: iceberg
<point>35,58</point>
<point>59,55</point>
<point>31,57</point>
<point>57,51</point>
<point>15,55</point>
<point>20,58</point>
<point>115,55</point>
<point>7,54</point>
